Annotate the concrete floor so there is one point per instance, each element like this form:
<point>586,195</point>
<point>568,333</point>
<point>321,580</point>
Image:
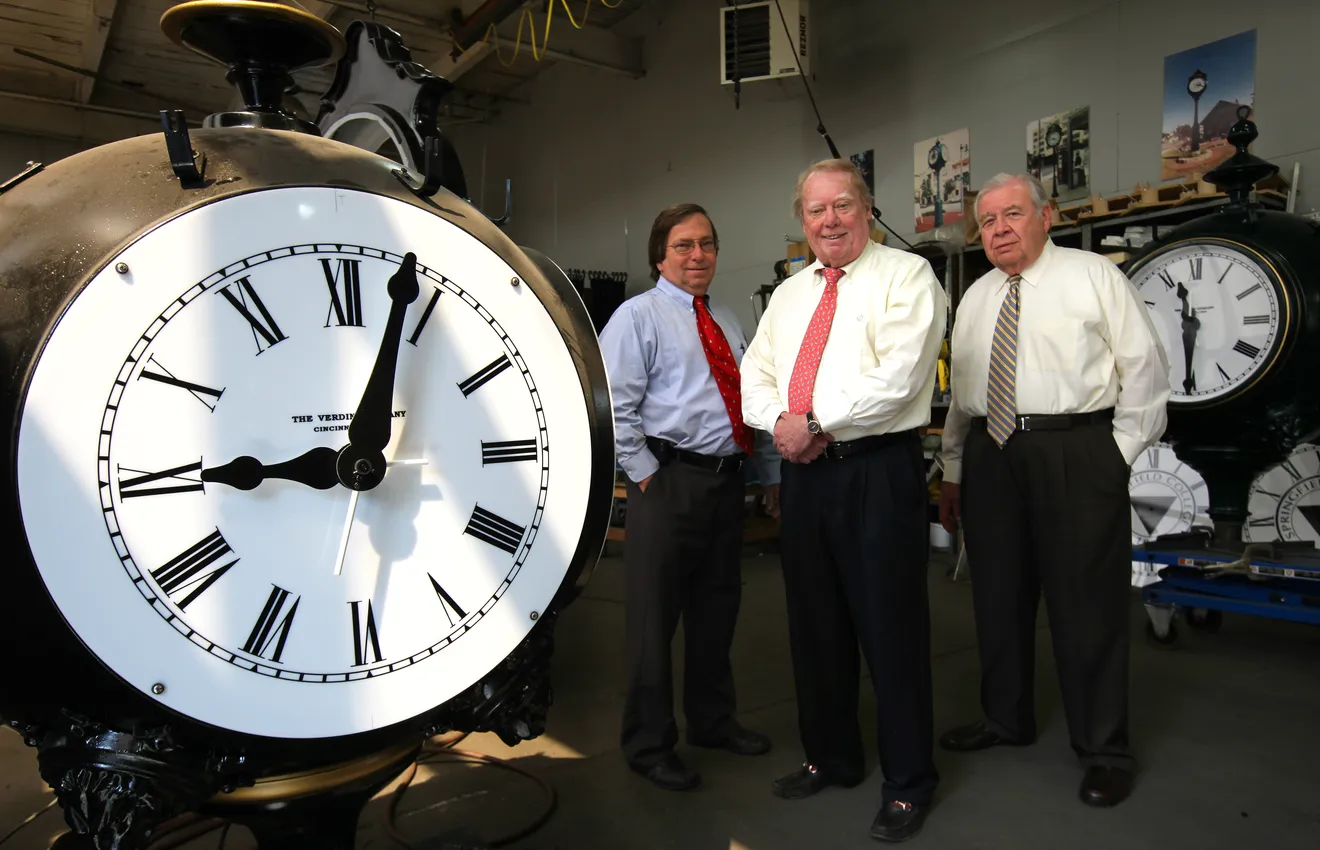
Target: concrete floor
<point>1226,727</point>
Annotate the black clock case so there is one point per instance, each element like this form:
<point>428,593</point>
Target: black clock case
<point>58,229</point>
<point>1232,440</point>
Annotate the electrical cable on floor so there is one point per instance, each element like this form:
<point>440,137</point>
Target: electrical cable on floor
<point>820,122</point>
<point>526,17</point>
<point>29,819</point>
<point>185,828</point>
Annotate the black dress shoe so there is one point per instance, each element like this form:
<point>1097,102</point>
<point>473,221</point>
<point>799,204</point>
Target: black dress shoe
<point>898,821</point>
<point>1105,786</point>
<point>975,736</point>
<point>670,774</point>
<point>805,781</point>
<point>740,741</point>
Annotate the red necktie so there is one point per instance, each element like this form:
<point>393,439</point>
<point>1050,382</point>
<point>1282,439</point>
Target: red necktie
<point>724,370</point>
<point>803,382</point>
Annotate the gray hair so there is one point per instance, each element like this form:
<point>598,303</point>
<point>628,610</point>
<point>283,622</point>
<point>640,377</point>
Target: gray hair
<point>1039,199</point>
<point>838,166</point>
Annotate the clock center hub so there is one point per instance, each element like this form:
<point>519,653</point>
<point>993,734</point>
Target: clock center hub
<point>359,469</point>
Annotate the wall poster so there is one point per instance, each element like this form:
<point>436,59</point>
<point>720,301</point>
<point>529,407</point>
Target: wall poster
<point>1059,154</point>
<point>941,174</point>
<point>1203,88</point>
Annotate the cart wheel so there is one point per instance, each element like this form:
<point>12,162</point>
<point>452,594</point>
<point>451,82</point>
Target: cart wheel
<point>1205,620</point>
<point>1165,641</point>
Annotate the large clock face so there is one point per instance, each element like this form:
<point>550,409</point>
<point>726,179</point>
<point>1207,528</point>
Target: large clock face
<point>1218,311</point>
<point>180,482</point>
<point>1285,500</point>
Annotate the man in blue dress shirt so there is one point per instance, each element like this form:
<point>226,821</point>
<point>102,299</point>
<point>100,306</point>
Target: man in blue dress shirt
<point>672,358</point>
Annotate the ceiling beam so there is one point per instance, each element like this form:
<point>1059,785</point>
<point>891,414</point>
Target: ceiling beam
<point>93,49</point>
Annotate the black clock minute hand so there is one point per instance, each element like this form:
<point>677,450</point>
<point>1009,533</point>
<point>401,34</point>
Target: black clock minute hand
<point>1190,325</point>
<point>361,464</point>
<point>315,468</point>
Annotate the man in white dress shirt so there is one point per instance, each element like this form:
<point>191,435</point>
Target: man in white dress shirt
<point>1059,383</point>
<point>841,371</point>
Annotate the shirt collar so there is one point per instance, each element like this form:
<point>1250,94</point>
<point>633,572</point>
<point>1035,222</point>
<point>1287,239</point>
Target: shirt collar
<point>818,268</point>
<point>672,290</point>
<point>1033,273</point>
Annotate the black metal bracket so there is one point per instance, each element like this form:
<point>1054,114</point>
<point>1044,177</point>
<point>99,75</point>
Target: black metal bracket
<point>433,169</point>
<point>508,205</point>
<point>28,171</point>
<point>188,164</point>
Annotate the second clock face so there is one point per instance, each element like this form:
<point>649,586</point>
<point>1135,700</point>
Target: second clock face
<point>1218,313</point>
<point>249,329</point>
<point>1285,500</point>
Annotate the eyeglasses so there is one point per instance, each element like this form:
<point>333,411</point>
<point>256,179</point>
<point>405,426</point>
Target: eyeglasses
<point>684,246</point>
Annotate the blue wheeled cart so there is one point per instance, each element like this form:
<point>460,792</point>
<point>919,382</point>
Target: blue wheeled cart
<point>1200,582</point>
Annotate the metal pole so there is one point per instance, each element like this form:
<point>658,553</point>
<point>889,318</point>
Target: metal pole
<point>154,117</point>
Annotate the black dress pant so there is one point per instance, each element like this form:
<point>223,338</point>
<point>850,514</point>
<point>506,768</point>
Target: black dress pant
<point>682,558</point>
<point>854,540</point>
<point>1051,511</point>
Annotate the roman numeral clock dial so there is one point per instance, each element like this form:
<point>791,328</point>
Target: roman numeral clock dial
<point>1219,311</point>
<point>327,475</point>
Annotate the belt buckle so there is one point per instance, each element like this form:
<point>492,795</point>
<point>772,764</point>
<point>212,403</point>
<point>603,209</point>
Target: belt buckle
<point>731,461</point>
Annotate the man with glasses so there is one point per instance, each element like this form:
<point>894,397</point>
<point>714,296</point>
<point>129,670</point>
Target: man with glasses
<point>672,358</point>
<point>842,371</point>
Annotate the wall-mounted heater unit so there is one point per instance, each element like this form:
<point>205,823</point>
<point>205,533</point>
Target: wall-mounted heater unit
<point>754,46</point>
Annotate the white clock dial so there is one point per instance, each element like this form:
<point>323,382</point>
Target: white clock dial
<point>249,328</point>
<point>1167,497</point>
<point>1218,314</point>
<point>1285,500</point>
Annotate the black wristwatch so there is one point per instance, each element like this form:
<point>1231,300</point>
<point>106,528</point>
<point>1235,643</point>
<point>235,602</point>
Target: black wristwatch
<point>813,424</point>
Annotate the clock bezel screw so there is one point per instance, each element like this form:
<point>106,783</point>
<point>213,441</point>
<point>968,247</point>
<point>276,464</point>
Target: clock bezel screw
<point>535,615</point>
<point>514,282</point>
<point>158,689</point>
<point>121,267</point>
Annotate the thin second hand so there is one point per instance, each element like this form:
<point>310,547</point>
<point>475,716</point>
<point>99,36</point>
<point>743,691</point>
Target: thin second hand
<point>352,509</point>
<point>348,526</point>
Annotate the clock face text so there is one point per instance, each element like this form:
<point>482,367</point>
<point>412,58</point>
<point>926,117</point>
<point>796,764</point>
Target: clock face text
<point>341,477</point>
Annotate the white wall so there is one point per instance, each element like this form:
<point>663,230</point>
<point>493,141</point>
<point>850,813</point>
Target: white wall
<point>596,155</point>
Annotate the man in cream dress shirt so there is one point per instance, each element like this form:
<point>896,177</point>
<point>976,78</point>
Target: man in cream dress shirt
<point>841,371</point>
<point>1059,383</point>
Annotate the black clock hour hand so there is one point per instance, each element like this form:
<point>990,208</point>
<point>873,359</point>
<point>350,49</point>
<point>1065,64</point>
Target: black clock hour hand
<point>1190,325</point>
<point>369,432</point>
<point>315,468</point>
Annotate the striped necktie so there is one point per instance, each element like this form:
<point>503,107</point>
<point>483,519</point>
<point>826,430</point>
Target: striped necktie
<point>1001,392</point>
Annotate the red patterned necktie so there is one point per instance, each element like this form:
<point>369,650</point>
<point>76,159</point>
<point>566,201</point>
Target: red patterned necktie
<point>803,383</point>
<point>724,370</point>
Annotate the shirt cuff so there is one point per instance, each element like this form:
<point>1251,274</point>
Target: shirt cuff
<point>640,466</point>
<point>1130,446</point>
<point>951,472</point>
<point>834,417</point>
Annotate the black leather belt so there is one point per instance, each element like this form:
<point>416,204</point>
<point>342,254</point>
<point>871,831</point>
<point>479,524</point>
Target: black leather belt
<point>1055,421</point>
<point>841,449</point>
<point>666,452</point>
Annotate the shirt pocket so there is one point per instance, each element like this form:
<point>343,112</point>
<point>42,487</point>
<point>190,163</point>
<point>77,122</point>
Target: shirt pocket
<point>1053,344</point>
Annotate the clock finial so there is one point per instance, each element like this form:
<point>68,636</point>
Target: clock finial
<point>262,43</point>
<point>1238,174</point>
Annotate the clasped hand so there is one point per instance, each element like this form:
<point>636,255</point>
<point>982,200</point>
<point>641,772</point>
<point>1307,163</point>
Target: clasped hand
<point>794,442</point>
